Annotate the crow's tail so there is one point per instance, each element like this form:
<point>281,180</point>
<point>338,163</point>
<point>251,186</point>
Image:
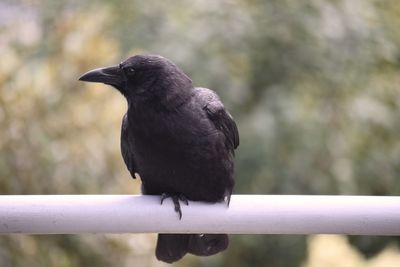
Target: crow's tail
<point>172,247</point>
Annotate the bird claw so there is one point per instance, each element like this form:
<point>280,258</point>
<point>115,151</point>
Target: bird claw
<point>183,199</point>
<point>228,200</point>
<point>164,196</point>
<point>175,199</point>
<point>227,197</point>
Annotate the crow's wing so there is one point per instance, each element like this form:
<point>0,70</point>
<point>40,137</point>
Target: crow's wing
<point>127,147</point>
<point>221,118</point>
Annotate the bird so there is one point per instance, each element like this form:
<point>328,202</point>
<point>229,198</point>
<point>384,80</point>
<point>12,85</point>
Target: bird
<point>179,138</point>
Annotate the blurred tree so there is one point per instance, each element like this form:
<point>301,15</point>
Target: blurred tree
<point>313,86</point>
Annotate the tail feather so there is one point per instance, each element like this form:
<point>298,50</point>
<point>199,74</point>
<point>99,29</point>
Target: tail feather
<point>207,244</point>
<point>172,247</point>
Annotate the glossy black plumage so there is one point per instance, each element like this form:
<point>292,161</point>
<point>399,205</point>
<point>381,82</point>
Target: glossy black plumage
<point>178,137</point>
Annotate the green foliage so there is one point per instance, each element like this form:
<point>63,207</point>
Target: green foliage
<point>313,86</point>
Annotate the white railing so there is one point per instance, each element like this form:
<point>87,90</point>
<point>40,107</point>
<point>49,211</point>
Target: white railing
<point>247,214</point>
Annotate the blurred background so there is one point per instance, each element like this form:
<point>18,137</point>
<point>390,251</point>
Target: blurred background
<point>313,86</point>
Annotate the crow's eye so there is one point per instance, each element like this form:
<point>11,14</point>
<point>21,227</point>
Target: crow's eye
<point>130,71</point>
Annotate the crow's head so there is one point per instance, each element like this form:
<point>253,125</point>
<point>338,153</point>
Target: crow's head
<point>142,75</point>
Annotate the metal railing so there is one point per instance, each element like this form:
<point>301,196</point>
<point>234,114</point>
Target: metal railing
<point>247,214</point>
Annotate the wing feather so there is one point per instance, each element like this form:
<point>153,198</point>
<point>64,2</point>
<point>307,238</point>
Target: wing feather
<point>221,118</point>
<point>127,147</point>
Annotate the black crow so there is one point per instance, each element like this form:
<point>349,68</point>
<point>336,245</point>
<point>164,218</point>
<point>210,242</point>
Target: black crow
<point>178,138</point>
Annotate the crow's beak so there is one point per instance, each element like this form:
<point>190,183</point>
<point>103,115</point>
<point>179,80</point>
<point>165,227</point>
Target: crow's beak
<point>108,75</point>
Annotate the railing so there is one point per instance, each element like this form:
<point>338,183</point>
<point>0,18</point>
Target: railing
<point>247,214</point>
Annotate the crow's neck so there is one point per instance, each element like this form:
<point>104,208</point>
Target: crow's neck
<point>163,95</point>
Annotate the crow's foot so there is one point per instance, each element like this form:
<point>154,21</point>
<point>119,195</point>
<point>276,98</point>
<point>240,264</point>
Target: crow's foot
<point>227,199</point>
<point>175,199</point>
